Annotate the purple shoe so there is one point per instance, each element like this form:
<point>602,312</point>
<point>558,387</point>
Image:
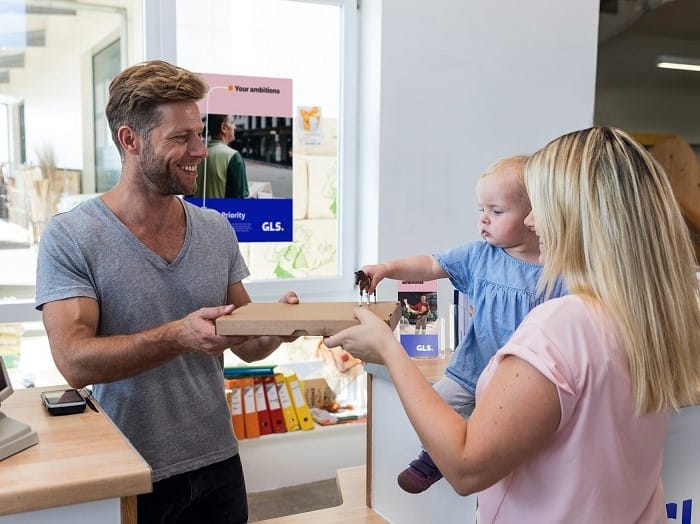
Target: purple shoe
<point>419,475</point>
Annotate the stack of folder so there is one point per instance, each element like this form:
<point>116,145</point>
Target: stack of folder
<point>262,402</point>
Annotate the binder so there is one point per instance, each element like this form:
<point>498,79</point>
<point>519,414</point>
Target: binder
<point>234,397</point>
<point>288,411</point>
<point>250,412</point>
<point>273,405</point>
<point>306,422</point>
<point>261,406</point>
<point>247,371</point>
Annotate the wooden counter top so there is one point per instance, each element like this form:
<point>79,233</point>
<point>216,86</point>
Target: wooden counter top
<point>432,368</point>
<point>79,458</point>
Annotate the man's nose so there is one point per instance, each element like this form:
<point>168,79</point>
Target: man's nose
<point>198,148</point>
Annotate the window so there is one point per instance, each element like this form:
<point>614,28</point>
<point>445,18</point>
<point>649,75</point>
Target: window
<point>307,43</point>
<point>52,146</point>
<point>106,63</point>
<point>46,150</point>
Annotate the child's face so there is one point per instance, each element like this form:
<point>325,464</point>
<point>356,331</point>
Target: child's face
<point>502,211</point>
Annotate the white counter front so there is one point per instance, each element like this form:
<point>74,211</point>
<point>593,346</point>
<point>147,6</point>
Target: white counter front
<point>392,444</point>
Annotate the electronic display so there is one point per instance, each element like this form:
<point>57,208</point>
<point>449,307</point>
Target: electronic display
<point>5,384</point>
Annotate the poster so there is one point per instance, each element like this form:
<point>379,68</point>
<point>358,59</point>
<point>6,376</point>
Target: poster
<point>418,331</point>
<point>253,116</point>
<point>309,125</point>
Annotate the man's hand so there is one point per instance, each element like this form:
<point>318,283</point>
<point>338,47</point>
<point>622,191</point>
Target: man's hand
<point>258,348</point>
<point>198,331</point>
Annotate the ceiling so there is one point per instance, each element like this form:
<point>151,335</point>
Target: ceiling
<point>633,33</point>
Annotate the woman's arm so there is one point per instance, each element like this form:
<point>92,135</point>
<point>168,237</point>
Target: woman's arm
<point>515,418</point>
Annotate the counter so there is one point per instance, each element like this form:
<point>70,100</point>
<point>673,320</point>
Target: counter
<point>82,469</point>
<point>392,444</point>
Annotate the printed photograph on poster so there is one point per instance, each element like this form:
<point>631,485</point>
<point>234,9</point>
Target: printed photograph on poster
<point>419,313</point>
<point>419,329</point>
<point>309,125</point>
<point>247,174</point>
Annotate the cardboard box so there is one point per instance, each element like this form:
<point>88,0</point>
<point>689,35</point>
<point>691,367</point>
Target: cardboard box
<point>318,393</point>
<point>307,318</point>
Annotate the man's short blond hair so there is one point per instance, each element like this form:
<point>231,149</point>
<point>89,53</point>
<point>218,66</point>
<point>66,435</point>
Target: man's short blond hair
<point>136,93</point>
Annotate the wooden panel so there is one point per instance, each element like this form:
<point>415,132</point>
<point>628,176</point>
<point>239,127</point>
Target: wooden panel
<point>310,318</point>
<point>683,169</point>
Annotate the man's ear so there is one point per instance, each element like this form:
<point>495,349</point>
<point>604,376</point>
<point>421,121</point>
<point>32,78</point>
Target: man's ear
<point>130,140</point>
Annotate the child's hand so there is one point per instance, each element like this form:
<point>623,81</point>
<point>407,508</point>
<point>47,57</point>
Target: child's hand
<point>375,272</point>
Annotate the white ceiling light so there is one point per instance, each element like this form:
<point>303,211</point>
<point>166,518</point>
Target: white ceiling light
<point>677,62</point>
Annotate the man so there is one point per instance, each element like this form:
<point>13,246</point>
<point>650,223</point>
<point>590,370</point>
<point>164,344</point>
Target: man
<point>130,285</point>
<point>421,310</point>
<point>225,169</point>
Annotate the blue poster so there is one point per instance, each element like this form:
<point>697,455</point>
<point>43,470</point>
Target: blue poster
<point>254,220</point>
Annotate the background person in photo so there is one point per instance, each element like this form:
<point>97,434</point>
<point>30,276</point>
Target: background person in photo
<point>225,169</point>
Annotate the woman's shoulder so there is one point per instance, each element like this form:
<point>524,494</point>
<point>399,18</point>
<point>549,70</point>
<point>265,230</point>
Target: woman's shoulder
<point>570,316</point>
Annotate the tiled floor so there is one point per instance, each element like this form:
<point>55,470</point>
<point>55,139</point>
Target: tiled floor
<point>292,500</point>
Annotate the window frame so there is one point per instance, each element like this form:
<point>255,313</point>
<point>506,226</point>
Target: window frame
<point>160,42</point>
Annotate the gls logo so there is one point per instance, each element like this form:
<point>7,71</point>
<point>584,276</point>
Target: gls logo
<point>272,226</point>
<point>424,347</point>
<point>686,511</point>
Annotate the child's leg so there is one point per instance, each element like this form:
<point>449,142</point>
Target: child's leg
<point>422,472</point>
<point>459,399</point>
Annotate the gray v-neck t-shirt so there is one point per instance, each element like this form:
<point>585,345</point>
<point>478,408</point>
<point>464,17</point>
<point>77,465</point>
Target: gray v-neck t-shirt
<point>175,415</point>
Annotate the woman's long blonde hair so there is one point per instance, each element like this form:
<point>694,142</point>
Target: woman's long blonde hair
<point>611,226</point>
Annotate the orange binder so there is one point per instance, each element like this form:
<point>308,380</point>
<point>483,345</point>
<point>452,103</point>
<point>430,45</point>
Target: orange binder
<point>273,405</point>
<point>250,412</point>
<point>296,390</point>
<point>234,397</point>
<point>261,406</point>
<point>288,411</point>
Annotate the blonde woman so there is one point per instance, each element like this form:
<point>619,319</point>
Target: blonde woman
<point>571,414</point>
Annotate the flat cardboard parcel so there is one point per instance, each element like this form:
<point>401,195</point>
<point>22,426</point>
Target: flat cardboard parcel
<point>310,318</point>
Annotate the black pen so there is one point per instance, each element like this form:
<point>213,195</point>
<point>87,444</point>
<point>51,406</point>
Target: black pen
<point>88,401</point>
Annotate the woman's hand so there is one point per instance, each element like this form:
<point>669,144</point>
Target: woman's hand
<point>371,341</point>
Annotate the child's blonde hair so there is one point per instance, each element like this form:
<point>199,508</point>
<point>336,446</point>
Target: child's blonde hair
<point>514,165</point>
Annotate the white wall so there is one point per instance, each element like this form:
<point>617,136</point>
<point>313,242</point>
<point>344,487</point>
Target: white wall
<point>449,86</point>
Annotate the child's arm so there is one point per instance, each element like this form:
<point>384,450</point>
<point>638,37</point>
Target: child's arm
<point>421,267</point>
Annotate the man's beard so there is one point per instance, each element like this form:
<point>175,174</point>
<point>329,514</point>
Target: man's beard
<point>158,175</point>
